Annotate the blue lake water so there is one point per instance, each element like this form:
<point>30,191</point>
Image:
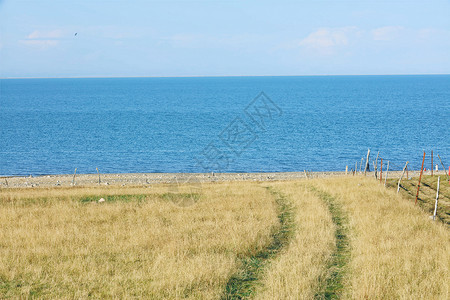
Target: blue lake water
<point>318,123</point>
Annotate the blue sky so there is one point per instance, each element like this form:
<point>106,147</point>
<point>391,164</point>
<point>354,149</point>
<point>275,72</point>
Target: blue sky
<point>220,38</point>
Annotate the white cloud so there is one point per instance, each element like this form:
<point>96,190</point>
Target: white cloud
<point>242,42</point>
<point>115,32</point>
<point>53,34</point>
<point>40,43</point>
<point>183,40</point>
<point>440,35</point>
<point>42,39</point>
<point>386,33</point>
<point>426,33</point>
<point>325,40</point>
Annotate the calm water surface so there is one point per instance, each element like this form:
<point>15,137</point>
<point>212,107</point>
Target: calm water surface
<point>52,126</point>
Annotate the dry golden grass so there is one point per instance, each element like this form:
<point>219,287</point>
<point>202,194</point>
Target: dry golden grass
<point>297,272</point>
<point>397,252</point>
<point>427,194</point>
<point>138,244</point>
<point>55,246</point>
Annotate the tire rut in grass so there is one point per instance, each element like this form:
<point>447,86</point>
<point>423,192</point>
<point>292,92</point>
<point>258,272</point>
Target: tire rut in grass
<point>243,284</point>
<point>333,284</point>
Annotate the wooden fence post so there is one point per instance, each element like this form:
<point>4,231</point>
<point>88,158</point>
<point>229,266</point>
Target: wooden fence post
<point>400,180</point>
<point>387,172</point>
<point>437,199</point>
<point>367,163</point>
<point>407,175</point>
<point>420,177</point>
<point>74,174</point>
<point>432,163</point>
<point>356,168</point>
<point>360,166</point>
<point>376,165</point>
<point>443,167</point>
<point>346,170</point>
<point>98,175</point>
<point>306,175</point>
<point>381,170</point>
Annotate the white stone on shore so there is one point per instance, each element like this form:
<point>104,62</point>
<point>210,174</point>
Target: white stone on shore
<point>101,200</point>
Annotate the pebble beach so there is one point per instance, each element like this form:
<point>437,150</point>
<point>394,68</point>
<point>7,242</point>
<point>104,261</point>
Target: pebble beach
<point>133,179</point>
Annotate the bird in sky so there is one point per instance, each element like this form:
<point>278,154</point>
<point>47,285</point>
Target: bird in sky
<point>76,33</point>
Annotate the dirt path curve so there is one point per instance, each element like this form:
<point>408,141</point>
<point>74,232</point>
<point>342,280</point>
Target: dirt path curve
<point>243,283</point>
<point>334,283</point>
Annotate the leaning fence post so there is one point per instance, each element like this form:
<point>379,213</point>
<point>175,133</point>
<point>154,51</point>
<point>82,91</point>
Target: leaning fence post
<point>437,199</point>
<point>387,172</point>
<point>74,174</point>
<point>443,167</point>
<point>98,175</point>
<point>420,177</point>
<point>306,175</point>
<point>376,164</point>
<point>360,166</point>
<point>381,170</point>
<point>400,180</point>
<point>367,167</point>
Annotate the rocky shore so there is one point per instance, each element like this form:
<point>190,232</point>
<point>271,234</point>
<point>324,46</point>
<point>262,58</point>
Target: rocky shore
<point>171,178</point>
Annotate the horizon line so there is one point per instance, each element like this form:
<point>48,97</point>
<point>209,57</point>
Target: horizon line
<point>206,76</point>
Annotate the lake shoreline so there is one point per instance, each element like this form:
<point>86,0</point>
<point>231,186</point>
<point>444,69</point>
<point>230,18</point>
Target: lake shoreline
<point>146,179</point>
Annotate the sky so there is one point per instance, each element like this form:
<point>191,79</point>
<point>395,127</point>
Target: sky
<point>222,38</point>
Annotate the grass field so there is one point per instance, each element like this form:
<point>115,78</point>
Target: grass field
<point>427,194</point>
<point>329,238</point>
